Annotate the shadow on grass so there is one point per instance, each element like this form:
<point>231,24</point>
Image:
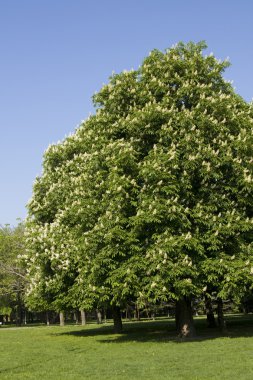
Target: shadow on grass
<point>164,331</point>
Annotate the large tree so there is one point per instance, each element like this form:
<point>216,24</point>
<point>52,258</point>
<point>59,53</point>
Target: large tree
<point>151,198</point>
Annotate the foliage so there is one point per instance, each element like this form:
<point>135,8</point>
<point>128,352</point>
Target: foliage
<point>150,198</point>
<point>12,273</point>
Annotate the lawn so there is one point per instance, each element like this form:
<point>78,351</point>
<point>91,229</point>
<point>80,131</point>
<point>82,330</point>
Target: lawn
<point>146,350</point>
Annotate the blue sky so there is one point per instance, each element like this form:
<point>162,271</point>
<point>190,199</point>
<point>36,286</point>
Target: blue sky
<point>54,54</point>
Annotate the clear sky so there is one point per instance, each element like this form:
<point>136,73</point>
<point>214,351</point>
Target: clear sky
<point>54,54</point>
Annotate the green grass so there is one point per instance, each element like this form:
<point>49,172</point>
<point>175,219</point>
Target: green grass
<point>146,350</point>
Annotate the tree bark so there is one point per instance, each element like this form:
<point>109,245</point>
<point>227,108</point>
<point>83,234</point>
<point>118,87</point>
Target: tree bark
<point>117,319</point>
<point>184,319</point>
<point>19,311</point>
<point>129,313</point>
<point>137,313</point>
<point>62,318</point>
<point>209,313</point>
<point>76,317</point>
<point>47,318</point>
<point>83,317</point>
<point>220,315</point>
<point>99,317</point>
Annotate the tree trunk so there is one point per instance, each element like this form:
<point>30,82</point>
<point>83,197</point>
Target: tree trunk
<point>117,319</point>
<point>137,313</point>
<point>47,318</point>
<point>209,313</point>
<point>75,317</point>
<point>220,315</point>
<point>184,319</point>
<point>83,317</point>
<point>19,311</point>
<point>61,318</point>
<point>99,317</point>
<point>129,313</point>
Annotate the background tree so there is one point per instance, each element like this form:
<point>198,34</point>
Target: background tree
<point>12,274</point>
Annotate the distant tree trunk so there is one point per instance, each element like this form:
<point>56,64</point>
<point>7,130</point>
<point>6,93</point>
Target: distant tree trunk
<point>209,312</point>
<point>220,315</point>
<point>129,313</point>
<point>99,317</point>
<point>19,311</point>
<point>47,318</point>
<point>137,313</point>
<point>61,318</point>
<point>244,309</point>
<point>83,317</point>
<point>117,319</point>
<point>76,317</point>
<point>184,319</point>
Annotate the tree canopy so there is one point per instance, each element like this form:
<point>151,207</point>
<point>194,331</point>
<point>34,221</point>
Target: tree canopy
<point>151,197</point>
